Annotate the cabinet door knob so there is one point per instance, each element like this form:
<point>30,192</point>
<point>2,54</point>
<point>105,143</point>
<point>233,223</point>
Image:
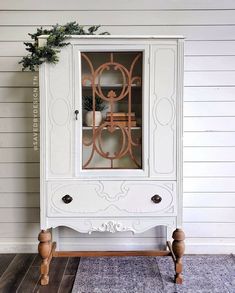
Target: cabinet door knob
<point>156,198</point>
<point>67,198</point>
<point>76,114</point>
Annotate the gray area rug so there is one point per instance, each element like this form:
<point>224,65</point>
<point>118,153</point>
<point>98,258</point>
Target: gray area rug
<point>202,274</point>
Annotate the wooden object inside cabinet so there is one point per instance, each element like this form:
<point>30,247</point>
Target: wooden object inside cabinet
<point>111,141</point>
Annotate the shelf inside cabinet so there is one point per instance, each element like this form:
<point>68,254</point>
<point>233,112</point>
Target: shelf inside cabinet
<point>112,86</point>
<point>105,128</point>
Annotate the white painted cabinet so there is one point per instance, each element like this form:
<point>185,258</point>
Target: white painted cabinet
<point>119,167</point>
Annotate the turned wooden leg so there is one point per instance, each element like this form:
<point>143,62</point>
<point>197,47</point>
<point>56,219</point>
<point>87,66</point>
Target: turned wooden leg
<point>178,250</point>
<point>45,251</point>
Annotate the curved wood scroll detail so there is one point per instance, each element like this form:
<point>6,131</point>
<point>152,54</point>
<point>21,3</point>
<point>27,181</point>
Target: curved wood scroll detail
<point>111,97</point>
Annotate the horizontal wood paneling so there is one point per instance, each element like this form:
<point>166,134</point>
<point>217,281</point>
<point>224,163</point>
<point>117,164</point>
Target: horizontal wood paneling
<point>209,215</point>
<point>19,199</point>
<point>19,230</point>
<point>209,185</point>
<point>10,63</point>
<point>204,200</point>
<point>19,215</point>
<point>209,78</point>
<point>17,110</point>
<point>209,123</point>
<point>17,79</point>
<point>209,109</point>
<point>227,32</point>
<point>211,241</point>
<point>210,230</point>
<point>211,245</point>
<point>210,48</point>
<point>206,63</point>
<point>115,5</point>
<point>209,154</point>
<point>190,32</point>
<point>24,170</point>
<point>209,93</point>
<point>211,169</point>
<point>209,139</point>
<point>17,140</point>
<point>12,49</point>
<point>18,155</point>
<point>18,124</point>
<point>129,18</point>
<point>19,185</point>
<point>18,95</point>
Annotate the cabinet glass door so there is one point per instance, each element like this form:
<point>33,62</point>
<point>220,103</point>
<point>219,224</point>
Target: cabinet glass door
<point>111,110</point>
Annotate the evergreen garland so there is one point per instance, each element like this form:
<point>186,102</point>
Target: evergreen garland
<point>56,39</point>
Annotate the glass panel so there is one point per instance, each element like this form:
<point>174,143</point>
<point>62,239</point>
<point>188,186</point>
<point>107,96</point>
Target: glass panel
<point>112,110</point>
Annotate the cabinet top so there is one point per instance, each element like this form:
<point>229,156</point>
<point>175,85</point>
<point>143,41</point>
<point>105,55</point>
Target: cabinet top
<point>121,37</point>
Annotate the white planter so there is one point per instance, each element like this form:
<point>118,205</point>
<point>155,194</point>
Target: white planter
<point>89,118</point>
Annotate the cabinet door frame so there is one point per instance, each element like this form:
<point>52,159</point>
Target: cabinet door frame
<point>164,111</point>
<point>118,173</point>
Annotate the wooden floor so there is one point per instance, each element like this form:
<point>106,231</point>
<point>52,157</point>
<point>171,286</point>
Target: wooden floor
<point>20,273</point>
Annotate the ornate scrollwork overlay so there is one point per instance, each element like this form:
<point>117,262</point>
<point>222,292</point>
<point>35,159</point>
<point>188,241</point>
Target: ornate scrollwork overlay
<point>111,226</point>
<point>112,96</point>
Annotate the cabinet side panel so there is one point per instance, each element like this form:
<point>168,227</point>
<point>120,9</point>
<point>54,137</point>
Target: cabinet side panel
<point>59,110</point>
<point>163,69</point>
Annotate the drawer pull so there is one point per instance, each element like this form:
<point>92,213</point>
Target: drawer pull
<point>156,198</point>
<point>67,198</point>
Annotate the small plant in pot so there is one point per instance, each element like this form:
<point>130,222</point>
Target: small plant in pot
<point>88,106</point>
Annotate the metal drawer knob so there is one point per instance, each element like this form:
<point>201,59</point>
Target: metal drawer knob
<point>67,198</point>
<point>156,198</point>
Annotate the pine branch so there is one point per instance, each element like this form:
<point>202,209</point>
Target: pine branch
<point>56,39</point>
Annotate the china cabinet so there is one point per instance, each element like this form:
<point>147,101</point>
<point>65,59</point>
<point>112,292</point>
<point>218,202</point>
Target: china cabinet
<point>111,141</point>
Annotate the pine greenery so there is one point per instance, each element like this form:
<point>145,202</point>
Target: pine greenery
<point>57,36</point>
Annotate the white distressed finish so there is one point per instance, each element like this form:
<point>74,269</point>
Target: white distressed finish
<point>215,41</point>
<point>58,96</point>
<point>115,43</point>
<point>122,198</point>
<point>111,205</point>
<point>163,95</point>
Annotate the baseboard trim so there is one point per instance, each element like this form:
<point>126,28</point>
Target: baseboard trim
<point>9,247</point>
<point>210,248</point>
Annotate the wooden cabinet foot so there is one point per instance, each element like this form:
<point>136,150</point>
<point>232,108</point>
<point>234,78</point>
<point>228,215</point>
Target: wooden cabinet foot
<point>178,248</point>
<point>45,249</point>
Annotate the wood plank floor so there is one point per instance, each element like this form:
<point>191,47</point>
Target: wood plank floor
<point>20,273</point>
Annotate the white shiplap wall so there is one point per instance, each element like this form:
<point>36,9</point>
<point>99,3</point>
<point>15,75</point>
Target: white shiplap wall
<point>209,108</point>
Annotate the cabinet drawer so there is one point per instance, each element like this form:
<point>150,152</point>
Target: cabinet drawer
<point>111,198</point>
